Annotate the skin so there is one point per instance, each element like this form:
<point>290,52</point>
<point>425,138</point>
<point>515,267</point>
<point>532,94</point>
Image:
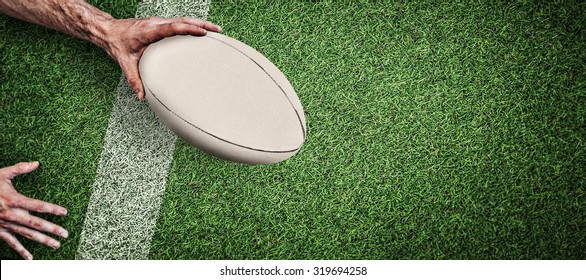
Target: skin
<point>15,218</point>
<point>124,40</point>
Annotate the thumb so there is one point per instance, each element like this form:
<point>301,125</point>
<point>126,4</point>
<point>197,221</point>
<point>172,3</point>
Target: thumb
<point>130,69</point>
<point>19,169</point>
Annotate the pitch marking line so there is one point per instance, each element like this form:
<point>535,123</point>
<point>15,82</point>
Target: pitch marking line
<point>132,172</point>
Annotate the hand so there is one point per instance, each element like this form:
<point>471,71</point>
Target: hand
<point>124,39</point>
<point>128,38</point>
<point>15,217</point>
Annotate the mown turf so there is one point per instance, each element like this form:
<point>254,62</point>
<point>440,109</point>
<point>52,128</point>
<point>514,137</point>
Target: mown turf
<point>435,130</point>
<point>56,93</point>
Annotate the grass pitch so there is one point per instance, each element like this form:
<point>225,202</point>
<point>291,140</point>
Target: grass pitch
<point>435,131</point>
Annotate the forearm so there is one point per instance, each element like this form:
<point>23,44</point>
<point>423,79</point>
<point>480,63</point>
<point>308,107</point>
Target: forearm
<point>73,17</point>
<point>123,39</point>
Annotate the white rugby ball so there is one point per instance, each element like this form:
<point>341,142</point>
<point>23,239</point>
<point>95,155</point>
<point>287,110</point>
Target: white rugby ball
<point>223,97</point>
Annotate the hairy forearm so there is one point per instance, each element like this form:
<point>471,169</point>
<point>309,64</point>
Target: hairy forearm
<point>123,39</point>
<point>73,17</point>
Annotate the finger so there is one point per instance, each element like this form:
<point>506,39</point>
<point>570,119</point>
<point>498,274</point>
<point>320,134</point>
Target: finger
<point>33,235</point>
<point>23,202</point>
<point>22,217</point>
<point>160,28</point>
<point>130,69</point>
<point>18,169</point>
<point>191,21</point>
<point>15,245</point>
<point>203,24</point>
<point>180,28</point>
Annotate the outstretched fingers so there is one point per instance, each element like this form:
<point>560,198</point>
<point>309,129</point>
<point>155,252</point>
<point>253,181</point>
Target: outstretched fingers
<point>18,169</point>
<point>32,235</point>
<point>11,240</point>
<point>22,217</point>
<point>23,202</point>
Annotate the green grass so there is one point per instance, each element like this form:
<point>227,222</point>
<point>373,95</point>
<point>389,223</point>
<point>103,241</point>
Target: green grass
<point>435,131</point>
<point>56,93</point>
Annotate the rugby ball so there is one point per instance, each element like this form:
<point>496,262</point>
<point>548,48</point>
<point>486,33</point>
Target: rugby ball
<point>223,97</point>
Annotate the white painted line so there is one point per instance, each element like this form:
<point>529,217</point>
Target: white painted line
<point>132,172</point>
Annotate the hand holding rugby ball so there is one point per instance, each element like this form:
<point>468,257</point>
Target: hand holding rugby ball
<point>223,97</point>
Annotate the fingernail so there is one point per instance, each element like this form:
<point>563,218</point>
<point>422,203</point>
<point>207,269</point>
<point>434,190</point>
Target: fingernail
<point>54,244</point>
<point>219,28</point>
<point>64,234</point>
<point>63,212</point>
<point>29,257</point>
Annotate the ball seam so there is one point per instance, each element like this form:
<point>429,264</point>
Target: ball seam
<point>215,136</point>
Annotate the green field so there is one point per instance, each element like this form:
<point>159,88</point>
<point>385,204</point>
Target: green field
<point>436,130</point>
